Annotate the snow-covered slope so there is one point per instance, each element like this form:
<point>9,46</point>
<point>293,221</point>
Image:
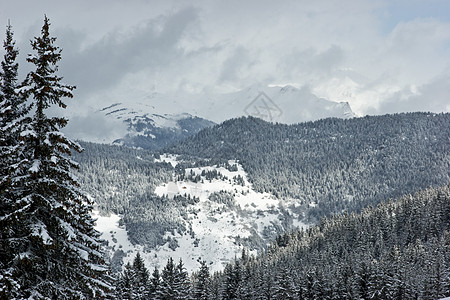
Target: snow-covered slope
<point>158,120</point>
<point>217,229</point>
<point>148,129</point>
<point>284,104</point>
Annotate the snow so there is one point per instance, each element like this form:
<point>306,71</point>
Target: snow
<point>217,228</point>
<point>28,132</point>
<point>168,158</point>
<point>293,104</point>
<point>40,230</point>
<point>112,231</point>
<point>36,166</point>
<point>69,230</point>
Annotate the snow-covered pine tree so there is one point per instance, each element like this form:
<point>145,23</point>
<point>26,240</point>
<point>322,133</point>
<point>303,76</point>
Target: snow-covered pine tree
<point>202,282</point>
<point>124,287</point>
<point>181,283</point>
<point>13,165</point>
<point>61,257</point>
<point>154,283</point>
<point>141,278</point>
<point>166,289</point>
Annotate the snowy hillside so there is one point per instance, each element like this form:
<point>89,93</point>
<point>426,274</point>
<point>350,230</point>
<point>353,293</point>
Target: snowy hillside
<point>218,227</point>
<point>148,129</point>
<point>284,104</point>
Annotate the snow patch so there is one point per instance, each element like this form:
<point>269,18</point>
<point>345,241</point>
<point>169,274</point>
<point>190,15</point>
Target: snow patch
<point>216,231</point>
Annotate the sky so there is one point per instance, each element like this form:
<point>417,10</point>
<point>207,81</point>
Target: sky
<point>381,56</point>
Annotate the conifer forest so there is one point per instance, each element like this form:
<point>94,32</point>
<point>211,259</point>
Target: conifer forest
<point>362,204</point>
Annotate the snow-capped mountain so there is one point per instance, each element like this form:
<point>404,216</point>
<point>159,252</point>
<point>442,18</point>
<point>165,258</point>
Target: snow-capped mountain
<point>149,130</point>
<point>159,120</point>
<point>283,104</point>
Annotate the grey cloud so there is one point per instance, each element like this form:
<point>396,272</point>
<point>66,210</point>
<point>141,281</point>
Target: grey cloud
<point>234,66</point>
<point>433,97</point>
<point>311,61</point>
<point>95,127</point>
<point>105,63</point>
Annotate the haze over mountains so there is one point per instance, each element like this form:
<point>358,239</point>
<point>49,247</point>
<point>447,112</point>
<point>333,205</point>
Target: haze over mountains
<point>157,120</point>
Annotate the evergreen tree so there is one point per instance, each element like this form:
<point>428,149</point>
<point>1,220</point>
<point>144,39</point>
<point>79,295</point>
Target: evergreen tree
<point>201,287</point>
<point>232,285</point>
<point>181,283</point>
<point>141,277</point>
<point>13,164</point>
<point>59,254</point>
<point>166,289</point>
<point>154,283</point>
<point>124,285</point>
<point>283,286</point>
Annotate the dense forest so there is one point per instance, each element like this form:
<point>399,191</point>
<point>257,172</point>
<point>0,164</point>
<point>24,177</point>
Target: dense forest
<point>333,164</point>
<point>398,250</point>
<point>323,167</point>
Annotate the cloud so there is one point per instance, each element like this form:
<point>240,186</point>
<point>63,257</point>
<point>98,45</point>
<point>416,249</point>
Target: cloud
<point>433,96</point>
<point>95,127</point>
<point>365,52</point>
<point>236,66</point>
<point>151,45</point>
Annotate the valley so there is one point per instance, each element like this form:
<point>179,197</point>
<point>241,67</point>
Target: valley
<point>241,184</point>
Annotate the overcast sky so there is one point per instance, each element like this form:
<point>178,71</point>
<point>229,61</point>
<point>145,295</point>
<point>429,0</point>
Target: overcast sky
<point>380,56</point>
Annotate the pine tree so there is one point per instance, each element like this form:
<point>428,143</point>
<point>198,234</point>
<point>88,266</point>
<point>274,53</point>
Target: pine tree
<point>181,282</point>
<point>154,283</point>
<point>13,165</point>
<point>283,286</point>
<point>141,277</point>
<point>201,287</point>
<point>232,285</point>
<point>166,289</point>
<point>125,282</point>
<point>60,254</point>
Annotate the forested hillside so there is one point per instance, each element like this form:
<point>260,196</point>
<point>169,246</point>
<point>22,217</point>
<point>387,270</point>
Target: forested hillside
<point>398,250</point>
<point>114,175</point>
<point>310,169</point>
<point>175,209</point>
<point>333,165</point>
<point>122,180</point>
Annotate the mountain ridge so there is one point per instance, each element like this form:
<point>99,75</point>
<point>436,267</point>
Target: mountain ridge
<point>158,120</point>
<point>311,169</point>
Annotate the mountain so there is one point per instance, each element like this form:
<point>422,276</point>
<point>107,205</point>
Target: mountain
<point>149,130</point>
<point>243,182</point>
<point>159,120</point>
<point>333,164</point>
<point>283,104</point>
<point>180,208</point>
